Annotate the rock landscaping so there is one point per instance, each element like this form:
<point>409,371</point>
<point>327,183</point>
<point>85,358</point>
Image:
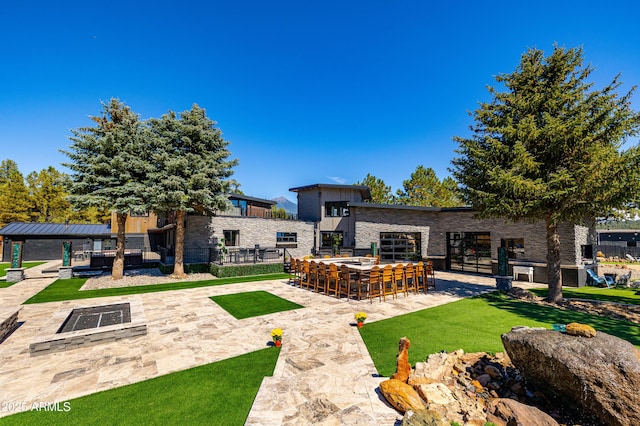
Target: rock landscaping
<point>544,378</point>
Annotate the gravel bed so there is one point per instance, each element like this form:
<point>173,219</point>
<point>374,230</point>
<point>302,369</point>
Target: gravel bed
<point>136,277</point>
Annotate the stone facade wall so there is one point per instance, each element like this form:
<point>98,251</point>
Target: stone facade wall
<point>436,224</point>
<point>371,222</point>
<point>205,232</point>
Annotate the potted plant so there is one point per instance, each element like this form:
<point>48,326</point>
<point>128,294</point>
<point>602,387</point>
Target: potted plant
<point>360,317</point>
<point>276,335</point>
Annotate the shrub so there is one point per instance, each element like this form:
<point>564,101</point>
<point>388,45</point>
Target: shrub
<point>226,271</point>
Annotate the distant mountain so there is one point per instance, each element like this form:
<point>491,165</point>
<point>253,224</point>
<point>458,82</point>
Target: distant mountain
<point>288,206</point>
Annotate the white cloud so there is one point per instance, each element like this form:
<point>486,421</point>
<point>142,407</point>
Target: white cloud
<point>338,179</point>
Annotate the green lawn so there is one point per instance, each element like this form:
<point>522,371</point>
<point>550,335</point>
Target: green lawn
<point>220,393</point>
<point>474,325</point>
<point>629,296</point>
<point>70,289</point>
<point>253,304</point>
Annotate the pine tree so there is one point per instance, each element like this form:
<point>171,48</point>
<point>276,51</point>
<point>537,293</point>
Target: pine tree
<point>15,202</point>
<point>110,165</point>
<point>191,169</point>
<point>425,189</point>
<point>380,192</point>
<point>48,196</point>
<point>549,147</point>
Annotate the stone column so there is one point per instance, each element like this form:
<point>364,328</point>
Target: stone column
<point>15,274</point>
<point>65,272</point>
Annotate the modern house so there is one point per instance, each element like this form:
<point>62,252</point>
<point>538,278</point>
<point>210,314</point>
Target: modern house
<point>451,237</point>
<point>327,207</point>
<point>333,217</point>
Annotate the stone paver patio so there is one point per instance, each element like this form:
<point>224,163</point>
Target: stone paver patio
<point>324,374</point>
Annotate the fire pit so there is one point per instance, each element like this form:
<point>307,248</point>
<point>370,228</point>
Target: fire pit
<point>90,325</point>
<point>96,316</point>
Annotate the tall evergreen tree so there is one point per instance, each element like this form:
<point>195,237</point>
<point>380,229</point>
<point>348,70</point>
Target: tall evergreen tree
<point>380,192</point>
<point>549,147</point>
<point>191,169</point>
<point>425,189</point>
<point>15,202</point>
<point>110,165</point>
<point>48,196</point>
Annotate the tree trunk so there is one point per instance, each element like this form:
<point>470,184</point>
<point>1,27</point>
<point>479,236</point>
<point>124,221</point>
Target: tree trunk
<point>554,274</point>
<point>117,270</point>
<point>178,267</point>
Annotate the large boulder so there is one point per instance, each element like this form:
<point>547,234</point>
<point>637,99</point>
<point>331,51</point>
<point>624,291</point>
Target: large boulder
<point>401,396</point>
<point>598,375</point>
<point>510,412</point>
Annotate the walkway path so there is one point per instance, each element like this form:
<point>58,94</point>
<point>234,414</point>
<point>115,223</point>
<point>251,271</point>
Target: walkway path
<point>324,374</point>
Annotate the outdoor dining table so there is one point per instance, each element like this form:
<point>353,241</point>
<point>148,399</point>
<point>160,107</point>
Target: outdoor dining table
<point>362,269</point>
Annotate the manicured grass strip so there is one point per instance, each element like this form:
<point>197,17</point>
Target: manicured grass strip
<point>220,393</point>
<point>474,325</point>
<point>6,265</point>
<point>70,289</point>
<point>253,304</point>
<point>629,296</point>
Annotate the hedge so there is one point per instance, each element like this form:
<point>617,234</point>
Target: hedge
<point>244,270</point>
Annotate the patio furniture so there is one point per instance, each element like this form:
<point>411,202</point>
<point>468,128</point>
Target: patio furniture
<point>331,279</point>
<point>348,283</point>
<point>313,276</point>
<point>321,279</point>
<point>399,283</point>
<point>388,283</point>
<point>305,277</point>
<point>410,279</point>
<point>517,270</point>
<point>374,283</point>
<point>430,275</point>
<point>595,280</point>
<point>294,273</point>
<point>421,278</point>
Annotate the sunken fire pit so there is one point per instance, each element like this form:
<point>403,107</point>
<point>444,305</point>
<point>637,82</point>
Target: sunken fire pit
<point>96,316</point>
<point>89,325</point>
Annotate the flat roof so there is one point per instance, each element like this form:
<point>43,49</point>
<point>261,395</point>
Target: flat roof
<point>247,198</point>
<point>71,229</point>
<point>405,207</point>
<point>362,188</point>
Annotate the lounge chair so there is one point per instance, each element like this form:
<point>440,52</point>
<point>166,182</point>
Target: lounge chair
<point>631,258</point>
<point>595,280</point>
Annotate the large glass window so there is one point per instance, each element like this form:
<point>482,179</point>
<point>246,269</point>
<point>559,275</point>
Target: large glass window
<point>231,238</point>
<point>515,247</point>
<point>286,237</point>
<point>336,209</point>
<point>328,239</point>
<point>400,246</point>
<point>469,251</point>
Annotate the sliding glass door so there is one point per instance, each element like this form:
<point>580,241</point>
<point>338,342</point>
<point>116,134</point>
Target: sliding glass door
<point>469,252</point>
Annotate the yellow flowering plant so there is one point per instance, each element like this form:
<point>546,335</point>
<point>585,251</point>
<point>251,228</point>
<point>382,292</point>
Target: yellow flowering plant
<point>276,334</point>
<point>360,316</point>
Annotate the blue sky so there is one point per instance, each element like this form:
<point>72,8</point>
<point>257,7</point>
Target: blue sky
<point>305,91</point>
